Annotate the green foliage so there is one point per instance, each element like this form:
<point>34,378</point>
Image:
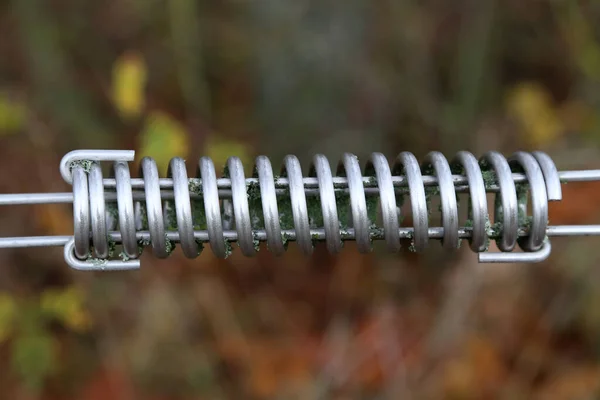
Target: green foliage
<point>8,311</point>
<point>219,149</point>
<point>163,138</point>
<point>33,357</point>
<point>24,324</point>
<point>12,115</point>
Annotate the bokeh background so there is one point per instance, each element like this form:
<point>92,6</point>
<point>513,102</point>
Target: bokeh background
<point>220,78</point>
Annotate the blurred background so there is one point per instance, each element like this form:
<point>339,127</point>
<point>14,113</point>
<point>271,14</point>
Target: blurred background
<point>220,78</point>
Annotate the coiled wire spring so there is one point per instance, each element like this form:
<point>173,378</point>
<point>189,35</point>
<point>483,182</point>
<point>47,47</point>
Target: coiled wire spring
<point>354,204</point>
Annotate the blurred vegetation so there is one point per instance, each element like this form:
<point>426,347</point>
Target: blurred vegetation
<point>190,78</point>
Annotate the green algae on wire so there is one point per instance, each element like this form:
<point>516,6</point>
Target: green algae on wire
<point>111,247</point>
<point>315,212</point>
<point>372,203</point>
<point>376,232</point>
<point>314,237</point>
<point>199,215</point>
<point>97,262</point>
<point>123,256</point>
<point>112,210</point>
<point>195,186</point>
<point>257,218</point>
<point>285,238</point>
<point>228,249</point>
<point>200,245</point>
<point>170,215</point>
<point>256,242</point>
<point>85,164</point>
<point>342,201</point>
<point>143,215</point>
<point>169,245</point>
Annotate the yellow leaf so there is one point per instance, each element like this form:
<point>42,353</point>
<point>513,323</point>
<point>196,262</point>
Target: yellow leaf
<point>162,139</point>
<point>12,115</point>
<point>531,107</point>
<point>589,60</point>
<point>220,149</point>
<point>129,81</point>
<point>8,310</point>
<point>67,305</point>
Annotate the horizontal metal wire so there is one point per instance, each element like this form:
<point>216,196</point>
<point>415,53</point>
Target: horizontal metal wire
<point>460,182</point>
<point>290,235</point>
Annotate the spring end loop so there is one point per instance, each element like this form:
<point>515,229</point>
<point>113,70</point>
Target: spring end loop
<point>526,257</point>
<point>93,264</point>
<point>85,156</point>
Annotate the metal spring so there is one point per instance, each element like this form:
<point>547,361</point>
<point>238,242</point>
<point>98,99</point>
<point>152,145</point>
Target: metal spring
<point>161,212</point>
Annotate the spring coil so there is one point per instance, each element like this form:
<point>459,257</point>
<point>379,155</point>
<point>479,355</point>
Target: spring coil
<point>305,209</point>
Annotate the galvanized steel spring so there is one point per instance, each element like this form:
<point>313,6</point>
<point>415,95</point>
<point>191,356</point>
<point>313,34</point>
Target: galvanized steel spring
<point>161,212</point>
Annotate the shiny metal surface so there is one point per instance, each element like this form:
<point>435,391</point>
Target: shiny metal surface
<point>164,212</point>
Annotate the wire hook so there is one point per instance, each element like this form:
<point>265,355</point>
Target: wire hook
<point>96,264</point>
<point>527,257</point>
<point>91,155</point>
